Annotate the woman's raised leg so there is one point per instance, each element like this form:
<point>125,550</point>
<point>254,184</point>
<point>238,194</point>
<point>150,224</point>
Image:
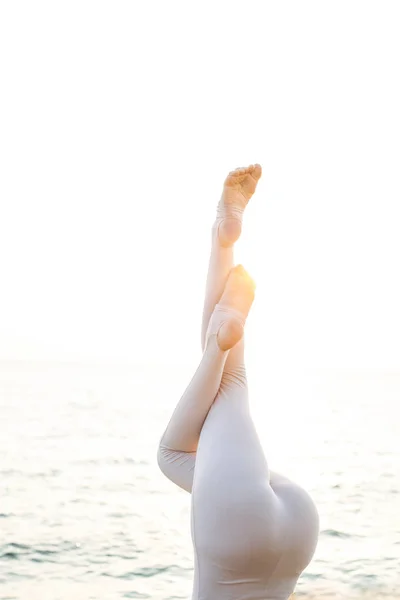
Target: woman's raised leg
<point>225,329</point>
<point>177,448</point>
<point>239,186</point>
<point>251,538</point>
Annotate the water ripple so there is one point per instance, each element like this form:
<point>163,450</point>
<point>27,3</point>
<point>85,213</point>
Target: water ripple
<point>96,514</point>
<point>335,533</point>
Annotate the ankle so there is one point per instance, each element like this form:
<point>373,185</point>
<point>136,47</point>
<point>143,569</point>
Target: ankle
<point>229,334</point>
<point>229,230</point>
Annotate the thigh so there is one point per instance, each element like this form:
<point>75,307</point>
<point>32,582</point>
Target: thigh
<point>236,515</point>
<point>237,523</point>
<point>301,522</point>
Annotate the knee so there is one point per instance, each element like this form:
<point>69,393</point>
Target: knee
<point>168,460</point>
<point>162,460</point>
<point>177,466</point>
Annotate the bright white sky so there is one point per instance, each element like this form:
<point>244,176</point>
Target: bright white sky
<point>119,122</point>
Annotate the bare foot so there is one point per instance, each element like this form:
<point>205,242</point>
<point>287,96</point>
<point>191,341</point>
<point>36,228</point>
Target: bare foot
<point>239,187</point>
<point>230,313</point>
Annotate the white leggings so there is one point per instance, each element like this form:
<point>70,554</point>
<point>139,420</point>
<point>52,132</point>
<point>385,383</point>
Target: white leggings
<point>254,531</point>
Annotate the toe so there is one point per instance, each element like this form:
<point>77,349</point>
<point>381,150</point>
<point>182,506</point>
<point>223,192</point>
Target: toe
<point>241,271</point>
<point>257,171</point>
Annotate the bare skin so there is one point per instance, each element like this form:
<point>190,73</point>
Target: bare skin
<point>238,294</point>
<point>239,187</point>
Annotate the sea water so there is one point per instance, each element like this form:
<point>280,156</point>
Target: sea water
<point>86,514</point>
